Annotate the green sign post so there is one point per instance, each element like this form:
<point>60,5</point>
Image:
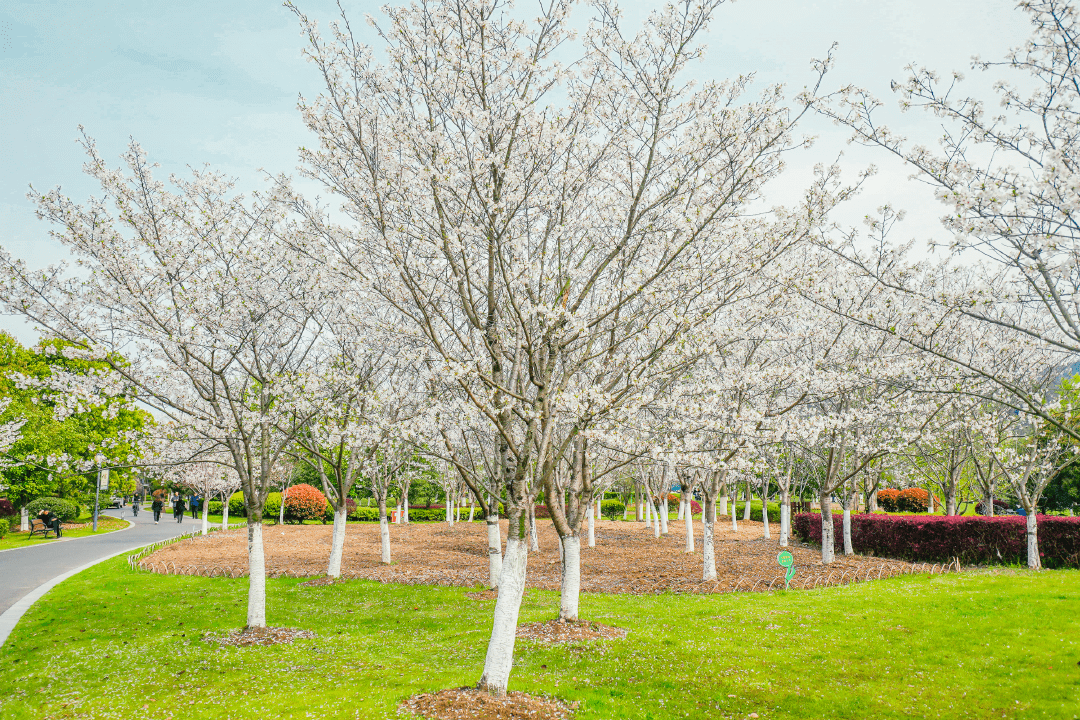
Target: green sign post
<point>787,561</point>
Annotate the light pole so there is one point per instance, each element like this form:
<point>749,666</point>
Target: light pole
<point>102,479</point>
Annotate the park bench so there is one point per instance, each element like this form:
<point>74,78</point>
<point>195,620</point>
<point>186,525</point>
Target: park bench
<point>38,527</point>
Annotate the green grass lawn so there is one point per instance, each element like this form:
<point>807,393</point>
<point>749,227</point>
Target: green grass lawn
<point>105,524</point>
<point>111,643</point>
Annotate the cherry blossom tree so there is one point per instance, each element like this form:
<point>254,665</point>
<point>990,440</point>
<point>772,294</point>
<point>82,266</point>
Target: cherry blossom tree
<point>199,291</point>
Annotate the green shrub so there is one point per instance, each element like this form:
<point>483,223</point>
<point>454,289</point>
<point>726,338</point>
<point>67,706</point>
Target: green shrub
<point>236,504</point>
<point>364,514</point>
<point>272,506</point>
<point>216,506</point>
<point>611,508</point>
<point>66,510</point>
<point>755,511</point>
<point>3,527</point>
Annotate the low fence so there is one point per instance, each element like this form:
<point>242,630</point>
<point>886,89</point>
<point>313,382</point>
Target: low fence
<point>135,560</point>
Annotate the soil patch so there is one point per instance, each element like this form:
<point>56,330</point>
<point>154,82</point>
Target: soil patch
<point>260,636</point>
<point>554,632</point>
<point>626,559</point>
<point>467,702</point>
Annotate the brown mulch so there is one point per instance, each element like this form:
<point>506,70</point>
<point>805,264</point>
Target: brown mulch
<point>472,704</point>
<point>626,559</point>
<point>260,636</point>
<point>554,632</point>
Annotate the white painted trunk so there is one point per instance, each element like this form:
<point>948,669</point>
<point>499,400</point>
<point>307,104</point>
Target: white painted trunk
<point>785,521</point>
<point>723,504</point>
<point>625,510</point>
<point>205,516</point>
<point>734,518</point>
<point>746,509</point>
<point>849,549</point>
<point>688,518</point>
<point>765,517</point>
<point>708,548</point>
<point>256,610</point>
<point>337,543</point>
<point>404,515</point>
<point>384,540</point>
<point>500,652</point>
<point>471,509</point>
<point>682,507</point>
<point>663,516</point>
<point>495,558</point>
<point>592,526</point>
<point>24,519</point>
<point>656,519</point>
<point>449,510</point>
<point>1033,561</point>
<point>534,541</point>
<point>648,514</point>
<point>828,536</point>
<point>225,514</point>
<point>397,514</point>
<point>571,578</point>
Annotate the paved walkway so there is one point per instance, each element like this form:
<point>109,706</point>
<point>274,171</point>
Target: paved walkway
<point>25,570</point>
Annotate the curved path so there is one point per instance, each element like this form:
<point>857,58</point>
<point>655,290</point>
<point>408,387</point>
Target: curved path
<point>28,573</point>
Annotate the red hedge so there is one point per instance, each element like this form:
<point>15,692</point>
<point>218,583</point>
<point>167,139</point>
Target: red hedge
<point>304,502</point>
<point>933,538</point>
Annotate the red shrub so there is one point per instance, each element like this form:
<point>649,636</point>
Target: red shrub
<point>6,508</point>
<point>304,502</point>
<point>887,499</point>
<point>913,500</point>
<point>695,507</point>
<point>973,539</point>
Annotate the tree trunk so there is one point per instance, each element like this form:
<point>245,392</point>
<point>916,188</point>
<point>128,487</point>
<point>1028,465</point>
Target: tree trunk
<point>746,505</point>
<point>656,519</point>
<point>24,519</point>
<point>708,551</point>
<point>785,517</point>
<point>848,502</point>
<point>765,515</point>
<point>828,537</point>
<point>734,515</point>
<point>256,610</point>
<point>384,531</point>
<point>682,506</point>
<point>723,504</point>
<point>648,512</point>
<point>500,652</point>
<point>1033,561</point>
<point>337,543</point>
<point>495,559</point>
<point>988,505</point>
<point>471,508</point>
<point>570,590</point>
<point>872,505</point>
<point>930,501</point>
<point>534,541</point>
<point>639,509</point>
<point>663,509</point>
<point>449,510</point>
<point>950,501</point>
<point>592,525</point>
<point>225,514</point>
<point>688,517</point>
<point>205,516</point>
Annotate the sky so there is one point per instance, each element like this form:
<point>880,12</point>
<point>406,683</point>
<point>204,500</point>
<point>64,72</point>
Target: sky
<point>218,82</point>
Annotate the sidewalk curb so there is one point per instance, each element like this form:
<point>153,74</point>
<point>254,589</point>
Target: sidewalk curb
<point>84,537</point>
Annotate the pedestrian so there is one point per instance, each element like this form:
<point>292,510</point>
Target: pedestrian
<point>156,507</point>
<point>135,502</point>
<point>196,501</point>
<point>178,507</point>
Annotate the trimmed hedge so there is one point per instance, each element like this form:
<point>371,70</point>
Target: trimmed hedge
<point>611,508</point>
<point>63,509</point>
<point>304,502</point>
<point>236,504</point>
<point>934,538</point>
<point>914,500</point>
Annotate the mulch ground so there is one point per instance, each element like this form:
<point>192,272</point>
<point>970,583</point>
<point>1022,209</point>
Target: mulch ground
<point>260,636</point>
<point>557,632</point>
<point>626,559</point>
<point>472,704</point>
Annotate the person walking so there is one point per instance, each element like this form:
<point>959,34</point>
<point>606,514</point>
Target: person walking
<point>156,506</point>
<point>136,501</point>
<point>178,507</point>
<point>196,501</point>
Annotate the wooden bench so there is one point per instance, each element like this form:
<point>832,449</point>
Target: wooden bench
<point>38,527</point>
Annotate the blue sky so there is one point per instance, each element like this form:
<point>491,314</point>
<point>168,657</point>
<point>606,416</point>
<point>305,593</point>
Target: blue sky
<point>217,82</point>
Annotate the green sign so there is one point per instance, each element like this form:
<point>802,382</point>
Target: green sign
<point>787,561</point>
